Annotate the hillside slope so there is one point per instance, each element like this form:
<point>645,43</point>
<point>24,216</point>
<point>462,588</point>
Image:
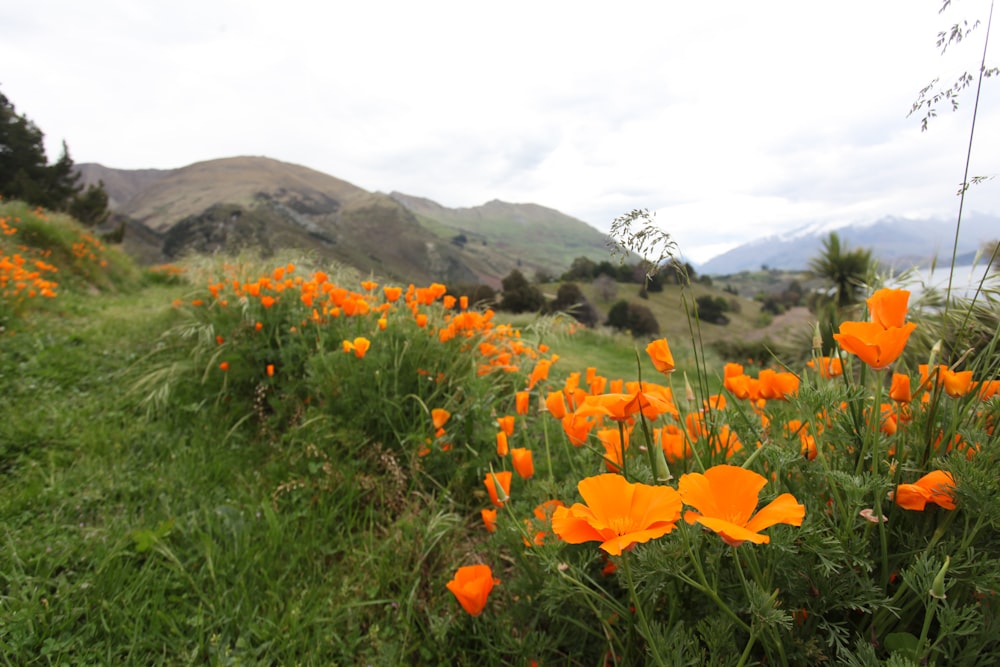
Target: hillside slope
<point>235,203</point>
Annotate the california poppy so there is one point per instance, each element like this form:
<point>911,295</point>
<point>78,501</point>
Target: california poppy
<point>900,390</point>
<point>555,403</point>
<point>471,587</point>
<point>614,447</point>
<point>506,424</point>
<point>498,479</point>
<point>617,513</point>
<point>521,402</point>
<point>935,487</point>
<point>726,497</point>
<point>489,519</point>
<point>659,354</point>
<point>359,346</point>
<point>440,417</point>
<point>539,372</point>
<point>523,462</point>
<point>956,383</point>
<point>502,447</point>
<point>887,307</point>
<point>777,386</point>
<point>872,343</point>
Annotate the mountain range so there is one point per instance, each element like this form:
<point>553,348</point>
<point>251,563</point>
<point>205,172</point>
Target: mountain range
<point>231,204</point>
<point>899,243</point>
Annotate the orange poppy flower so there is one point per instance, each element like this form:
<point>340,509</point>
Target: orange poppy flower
<point>935,487</point>
<point>539,372</point>
<point>523,461</point>
<point>659,354</point>
<point>956,383</point>
<point>489,519</point>
<point>777,386</point>
<point>224,366</point>
<point>900,390</point>
<point>267,301</point>
<point>440,417</point>
<point>555,403</point>
<point>674,443</point>
<point>498,479</point>
<point>617,513</point>
<point>270,370</point>
<point>872,343</point>
<point>614,449</point>
<point>471,587</point>
<point>359,346</point>
<point>521,402</point>
<point>577,428</point>
<point>502,447</point>
<point>887,307</point>
<point>726,497</point>
<point>742,387</point>
<point>392,293</point>
<point>506,424</point>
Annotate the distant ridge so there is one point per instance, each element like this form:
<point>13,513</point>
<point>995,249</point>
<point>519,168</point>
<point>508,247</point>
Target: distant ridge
<point>230,204</point>
<point>895,242</point>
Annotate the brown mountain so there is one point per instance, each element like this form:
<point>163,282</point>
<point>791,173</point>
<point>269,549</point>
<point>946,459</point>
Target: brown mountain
<point>256,202</point>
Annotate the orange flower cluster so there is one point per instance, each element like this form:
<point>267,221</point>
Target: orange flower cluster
<point>22,278</point>
<point>620,514</point>
<point>89,248</point>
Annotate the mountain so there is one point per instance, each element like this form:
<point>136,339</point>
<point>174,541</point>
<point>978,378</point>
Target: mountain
<point>257,202</point>
<point>896,242</point>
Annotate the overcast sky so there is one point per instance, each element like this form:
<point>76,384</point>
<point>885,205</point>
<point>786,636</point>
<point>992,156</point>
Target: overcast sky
<point>731,119</point>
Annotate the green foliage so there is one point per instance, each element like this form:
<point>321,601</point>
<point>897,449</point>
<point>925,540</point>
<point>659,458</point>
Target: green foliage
<point>25,173</point>
<point>520,296</point>
<point>712,309</point>
<point>570,299</point>
<point>845,270</point>
<point>634,318</point>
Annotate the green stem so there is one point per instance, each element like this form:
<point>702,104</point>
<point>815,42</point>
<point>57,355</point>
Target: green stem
<point>640,612</point>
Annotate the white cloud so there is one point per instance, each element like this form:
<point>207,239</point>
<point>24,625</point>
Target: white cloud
<point>732,119</point>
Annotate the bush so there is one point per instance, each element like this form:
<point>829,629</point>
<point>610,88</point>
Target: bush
<point>520,296</point>
<point>711,309</point>
<point>570,299</point>
<point>639,320</point>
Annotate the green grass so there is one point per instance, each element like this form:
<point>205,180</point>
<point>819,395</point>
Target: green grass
<point>240,517</point>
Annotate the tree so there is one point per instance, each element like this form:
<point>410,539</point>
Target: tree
<point>582,268</point>
<point>846,270</point>
<point>519,295</point>
<point>25,173</point>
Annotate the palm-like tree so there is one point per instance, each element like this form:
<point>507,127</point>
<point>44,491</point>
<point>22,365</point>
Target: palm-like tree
<point>845,269</point>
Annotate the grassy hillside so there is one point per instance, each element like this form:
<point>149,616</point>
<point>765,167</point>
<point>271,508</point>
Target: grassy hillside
<point>237,462</point>
<point>234,204</point>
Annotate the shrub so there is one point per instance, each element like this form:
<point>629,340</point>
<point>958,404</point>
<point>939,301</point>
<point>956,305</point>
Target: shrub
<point>634,318</point>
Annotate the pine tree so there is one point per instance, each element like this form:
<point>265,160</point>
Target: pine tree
<point>25,173</point>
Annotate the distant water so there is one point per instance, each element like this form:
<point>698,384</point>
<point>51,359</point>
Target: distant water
<point>964,283</point>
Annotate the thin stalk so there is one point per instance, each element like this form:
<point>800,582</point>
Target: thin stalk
<point>965,175</point>
<point>640,612</point>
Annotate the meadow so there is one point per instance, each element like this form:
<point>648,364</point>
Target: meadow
<point>240,462</point>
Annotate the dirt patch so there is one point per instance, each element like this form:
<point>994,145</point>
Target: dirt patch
<point>794,324</point>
